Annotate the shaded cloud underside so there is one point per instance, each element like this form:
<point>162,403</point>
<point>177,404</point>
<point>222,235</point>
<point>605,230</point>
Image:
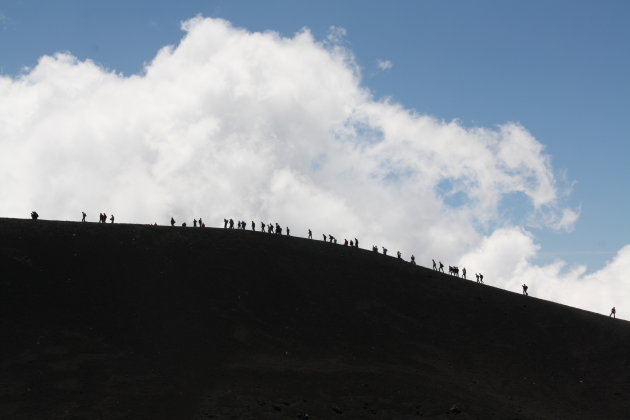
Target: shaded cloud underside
<point>231,123</point>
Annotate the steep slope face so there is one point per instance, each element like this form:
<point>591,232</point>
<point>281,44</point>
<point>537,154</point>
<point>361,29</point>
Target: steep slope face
<point>129,321</point>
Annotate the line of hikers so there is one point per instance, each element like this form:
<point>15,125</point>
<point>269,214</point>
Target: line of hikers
<point>277,229</point>
<point>454,271</point>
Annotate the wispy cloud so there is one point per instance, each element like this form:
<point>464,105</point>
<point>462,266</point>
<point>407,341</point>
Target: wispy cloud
<point>384,64</point>
<point>4,20</point>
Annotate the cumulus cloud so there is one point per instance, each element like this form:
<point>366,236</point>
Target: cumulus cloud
<point>256,126</point>
<point>384,64</point>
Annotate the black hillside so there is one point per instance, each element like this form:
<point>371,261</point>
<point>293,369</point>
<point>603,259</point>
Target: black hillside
<point>145,322</point>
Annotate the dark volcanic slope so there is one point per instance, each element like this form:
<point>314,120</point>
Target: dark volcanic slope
<point>143,322</point>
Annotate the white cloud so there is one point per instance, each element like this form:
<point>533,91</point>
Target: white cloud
<point>230,123</point>
<point>506,255</point>
<point>384,64</point>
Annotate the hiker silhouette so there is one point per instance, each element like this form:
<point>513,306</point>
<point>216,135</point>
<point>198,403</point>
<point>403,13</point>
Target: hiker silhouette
<point>34,215</point>
<point>384,251</point>
<point>464,272</point>
<point>613,312</point>
<point>84,215</point>
<point>356,243</point>
<point>434,266</point>
<point>310,234</point>
<point>288,231</point>
<point>172,222</point>
<point>413,259</point>
<point>194,222</point>
<point>480,278</point>
<point>399,255</point>
<point>324,237</point>
<point>231,222</point>
<point>525,290</point>
<point>441,267</point>
<point>345,242</point>
<point>253,226</point>
<point>225,223</point>
<point>111,219</point>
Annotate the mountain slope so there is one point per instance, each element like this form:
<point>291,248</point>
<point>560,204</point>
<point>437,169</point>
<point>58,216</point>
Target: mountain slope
<point>131,321</point>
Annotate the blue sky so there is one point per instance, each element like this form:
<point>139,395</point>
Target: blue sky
<point>559,68</point>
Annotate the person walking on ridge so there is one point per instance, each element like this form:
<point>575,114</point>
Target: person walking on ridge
<point>111,219</point>
<point>172,222</point>
<point>613,312</point>
<point>310,234</point>
<point>434,266</point>
<point>525,289</point>
<point>441,267</point>
<point>84,215</point>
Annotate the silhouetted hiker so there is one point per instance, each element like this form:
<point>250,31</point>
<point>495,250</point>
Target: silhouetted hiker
<point>613,312</point>
<point>201,224</point>
<point>194,222</point>
<point>253,226</point>
<point>398,254</point>
<point>477,275</point>
<point>413,260</point>
<point>111,219</point>
<point>464,272</point>
<point>441,267</point>
<point>330,238</point>
<point>225,222</point>
<point>231,222</point>
<point>434,266</point>
<point>324,237</point>
<point>351,243</point>
<point>104,218</point>
<point>374,248</point>
<point>480,278</point>
<point>356,243</point>
<point>270,228</point>
<point>345,242</point>
<point>184,224</point>
<point>288,231</point>
<point>34,215</point>
<point>310,234</point>
<point>384,251</point>
<point>525,290</point>
<point>278,229</point>
<point>172,222</point>
<point>84,215</point>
